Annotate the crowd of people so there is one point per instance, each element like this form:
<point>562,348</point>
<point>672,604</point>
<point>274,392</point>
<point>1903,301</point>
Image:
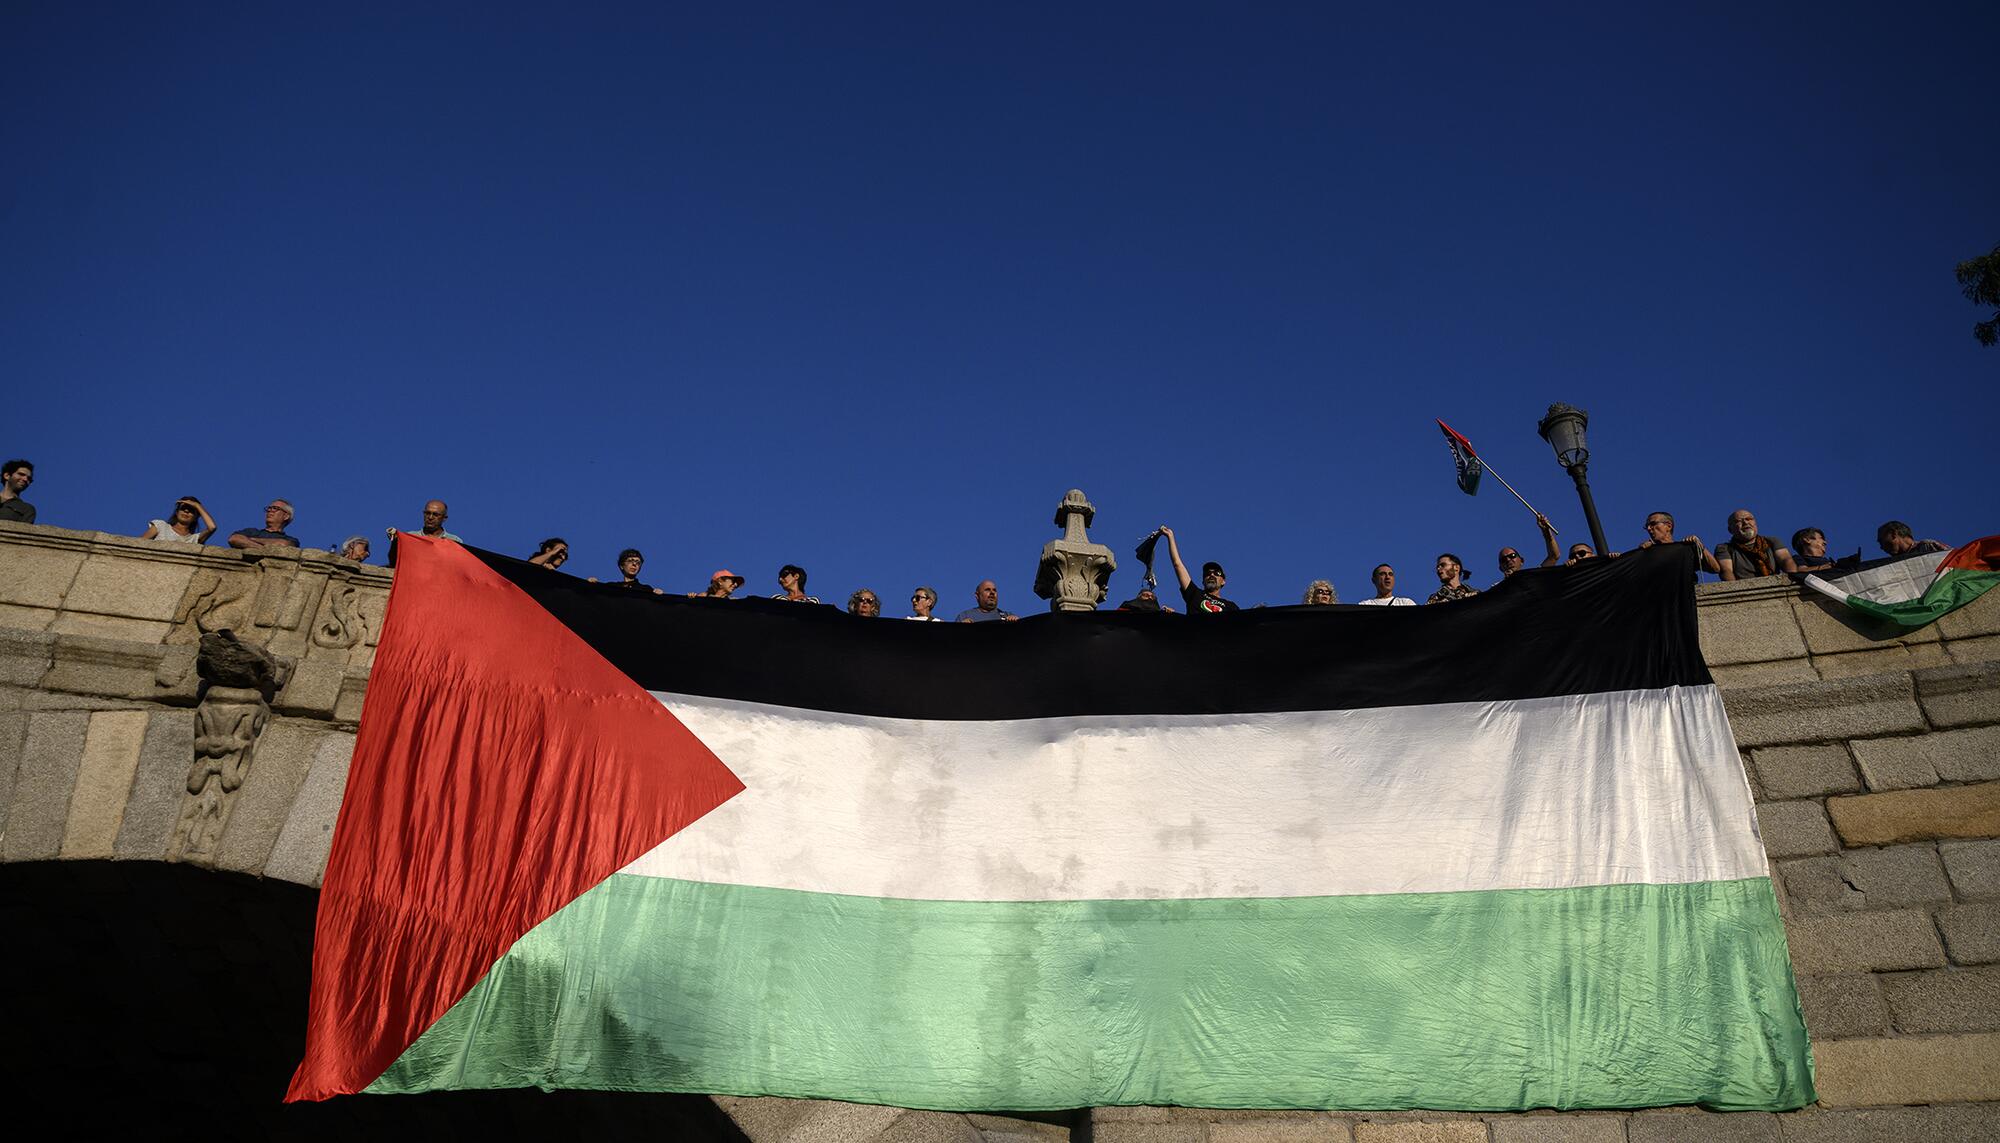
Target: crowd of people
<point>1746,554</point>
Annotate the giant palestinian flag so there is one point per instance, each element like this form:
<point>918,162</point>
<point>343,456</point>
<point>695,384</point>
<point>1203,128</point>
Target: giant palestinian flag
<point>1497,854</point>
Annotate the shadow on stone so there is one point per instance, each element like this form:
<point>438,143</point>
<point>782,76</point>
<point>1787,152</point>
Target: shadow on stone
<point>175,998</point>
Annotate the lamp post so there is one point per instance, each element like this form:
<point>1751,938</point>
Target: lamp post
<point>1563,429</point>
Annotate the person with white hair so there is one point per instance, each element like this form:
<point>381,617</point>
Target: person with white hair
<point>922,601</point>
<point>277,516</point>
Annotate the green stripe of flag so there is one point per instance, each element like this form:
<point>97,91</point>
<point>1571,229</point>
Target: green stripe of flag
<point>1953,589</point>
<point>1605,996</point>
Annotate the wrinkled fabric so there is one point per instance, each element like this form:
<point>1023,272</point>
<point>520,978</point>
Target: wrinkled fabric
<point>1316,857</point>
<point>502,769</point>
<point>1620,996</point>
<point>1637,786</point>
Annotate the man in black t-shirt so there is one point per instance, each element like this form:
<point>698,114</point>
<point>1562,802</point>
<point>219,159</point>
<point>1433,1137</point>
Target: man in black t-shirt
<point>1206,599</point>
<point>14,480</point>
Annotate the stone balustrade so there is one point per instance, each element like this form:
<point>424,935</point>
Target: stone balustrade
<point>1874,758</point>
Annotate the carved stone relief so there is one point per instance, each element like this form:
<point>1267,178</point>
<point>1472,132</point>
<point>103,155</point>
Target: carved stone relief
<point>215,601</point>
<point>239,680</point>
<point>283,594</point>
<point>340,624</point>
<point>265,598</point>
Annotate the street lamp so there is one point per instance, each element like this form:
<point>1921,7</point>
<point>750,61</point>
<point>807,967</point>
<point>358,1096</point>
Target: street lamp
<point>1563,429</point>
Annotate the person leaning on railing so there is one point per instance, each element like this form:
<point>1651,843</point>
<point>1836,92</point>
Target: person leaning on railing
<point>188,523</point>
<point>1896,539</point>
<point>277,517</point>
<point>1660,530</point>
<point>1748,555</point>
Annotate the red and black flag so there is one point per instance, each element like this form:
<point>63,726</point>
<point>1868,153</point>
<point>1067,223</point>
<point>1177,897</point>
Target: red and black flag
<point>1470,467</point>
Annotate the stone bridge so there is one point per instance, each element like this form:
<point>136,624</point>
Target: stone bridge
<point>175,726</point>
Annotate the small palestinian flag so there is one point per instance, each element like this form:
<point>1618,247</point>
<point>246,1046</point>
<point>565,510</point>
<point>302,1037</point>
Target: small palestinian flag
<point>1470,467</point>
<point>1317,857</point>
<point>1916,590</point>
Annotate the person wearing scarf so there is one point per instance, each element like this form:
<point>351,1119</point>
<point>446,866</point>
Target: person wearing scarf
<point>1748,555</point>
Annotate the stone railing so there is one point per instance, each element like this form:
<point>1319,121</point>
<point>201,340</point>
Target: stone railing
<point>1875,760</point>
<point>109,745</point>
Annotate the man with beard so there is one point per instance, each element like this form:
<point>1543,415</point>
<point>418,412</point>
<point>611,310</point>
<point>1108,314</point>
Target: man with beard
<point>14,480</point>
<point>1747,555</point>
<point>1206,599</point>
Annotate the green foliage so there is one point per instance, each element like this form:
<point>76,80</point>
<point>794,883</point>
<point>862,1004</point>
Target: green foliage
<point>1979,279</point>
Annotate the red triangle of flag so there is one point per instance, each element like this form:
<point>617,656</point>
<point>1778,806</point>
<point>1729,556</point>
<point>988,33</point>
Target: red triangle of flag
<point>503,768</point>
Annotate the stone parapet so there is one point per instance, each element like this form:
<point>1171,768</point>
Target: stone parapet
<point>102,697</point>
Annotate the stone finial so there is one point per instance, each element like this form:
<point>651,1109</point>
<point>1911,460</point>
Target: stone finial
<point>1074,572</point>
<point>1074,504</point>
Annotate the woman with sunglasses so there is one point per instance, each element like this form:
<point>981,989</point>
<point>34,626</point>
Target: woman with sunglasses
<point>179,527</point>
<point>792,578</point>
<point>922,601</point>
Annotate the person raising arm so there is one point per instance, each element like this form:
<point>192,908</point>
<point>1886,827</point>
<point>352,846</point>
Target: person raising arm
<point>179,526</point>
<point>1206,599</point>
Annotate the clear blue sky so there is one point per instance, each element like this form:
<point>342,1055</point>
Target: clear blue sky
<point>868,287</point>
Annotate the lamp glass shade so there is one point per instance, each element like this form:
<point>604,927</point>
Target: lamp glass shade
<point>1564,428</point>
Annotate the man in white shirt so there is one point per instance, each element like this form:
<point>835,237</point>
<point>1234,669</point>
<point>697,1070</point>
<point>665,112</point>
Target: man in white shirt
<point>1385,590</point>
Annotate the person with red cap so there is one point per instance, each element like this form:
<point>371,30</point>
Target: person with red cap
<point>721,585</point>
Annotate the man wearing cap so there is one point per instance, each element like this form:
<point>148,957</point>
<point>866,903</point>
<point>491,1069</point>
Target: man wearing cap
<point>720,585</point>
<point>1511,559</point>
<point>1206,599</point>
